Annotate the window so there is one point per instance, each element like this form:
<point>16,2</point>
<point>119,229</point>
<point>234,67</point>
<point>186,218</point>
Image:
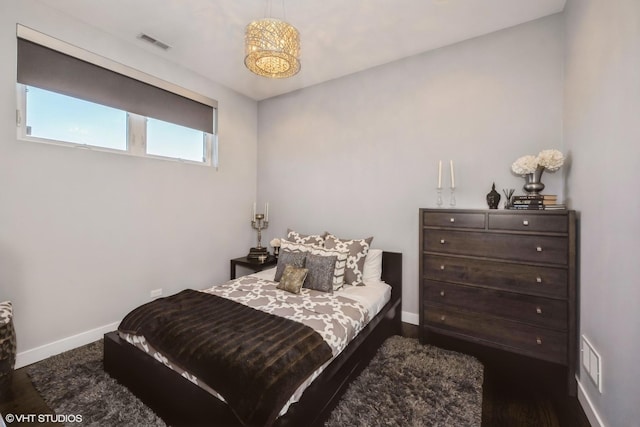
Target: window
<point>60,119</point>
<point>73,97</point>
<point>162,140</point>
<point>52,116</point>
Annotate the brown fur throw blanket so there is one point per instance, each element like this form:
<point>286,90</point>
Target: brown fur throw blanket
<point>255,360</point>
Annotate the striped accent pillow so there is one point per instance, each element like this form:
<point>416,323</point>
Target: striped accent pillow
<point>341,258</point>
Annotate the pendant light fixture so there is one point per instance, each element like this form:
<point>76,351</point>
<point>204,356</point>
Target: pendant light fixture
<point>272,48</point>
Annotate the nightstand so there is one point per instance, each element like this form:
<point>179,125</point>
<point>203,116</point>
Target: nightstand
<point>252,264</point>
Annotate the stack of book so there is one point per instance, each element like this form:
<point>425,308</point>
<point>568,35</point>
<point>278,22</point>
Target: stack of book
<point>536,201</point>
<point>260,254</point>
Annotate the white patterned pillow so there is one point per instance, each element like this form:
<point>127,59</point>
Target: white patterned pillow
<point>357,249</point>
<point>341,258</point>
<point>310,239</point>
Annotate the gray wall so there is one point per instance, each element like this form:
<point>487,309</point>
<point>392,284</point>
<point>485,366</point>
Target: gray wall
<point>357,156</point>
<point>85,235</point>
<point>602,132</point>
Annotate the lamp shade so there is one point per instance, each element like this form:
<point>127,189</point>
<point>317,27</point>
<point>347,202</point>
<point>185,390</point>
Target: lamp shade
<point>271,48</point>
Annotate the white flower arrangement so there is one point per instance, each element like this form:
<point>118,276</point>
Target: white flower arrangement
<point>551,160</point>
<point>525,165</point>
<point>275,243</point>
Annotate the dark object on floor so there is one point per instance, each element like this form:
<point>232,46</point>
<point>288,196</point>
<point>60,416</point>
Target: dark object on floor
<point>409,384</point>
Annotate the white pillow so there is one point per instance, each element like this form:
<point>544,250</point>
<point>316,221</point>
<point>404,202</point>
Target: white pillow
<point>372,270</point>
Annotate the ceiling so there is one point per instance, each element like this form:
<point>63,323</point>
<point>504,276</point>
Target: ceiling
<point>338,37</point>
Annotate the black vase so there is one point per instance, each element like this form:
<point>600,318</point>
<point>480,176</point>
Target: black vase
<point>493,198</point>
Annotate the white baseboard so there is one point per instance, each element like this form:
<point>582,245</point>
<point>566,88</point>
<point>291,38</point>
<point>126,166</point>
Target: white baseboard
<point>412,318</point>
<point>37,354</point>
<point>587,407</point>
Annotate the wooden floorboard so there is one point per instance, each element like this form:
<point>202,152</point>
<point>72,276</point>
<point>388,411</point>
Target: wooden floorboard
<point>23,399</point>
<point>511,397</point>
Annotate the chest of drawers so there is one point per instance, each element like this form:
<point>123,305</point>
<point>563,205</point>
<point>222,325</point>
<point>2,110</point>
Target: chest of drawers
<point>505,279</point>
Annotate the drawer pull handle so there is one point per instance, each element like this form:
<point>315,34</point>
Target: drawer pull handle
<point>441,293</point>
<point>538,279</point>
<point>525,222</point>
<point>539,249</point>
<point>452,220</point>
<point>442,267</point>
<point>538,310</point>
<point>442,241</point>
<point>538,340</point>
<point>443,318</point>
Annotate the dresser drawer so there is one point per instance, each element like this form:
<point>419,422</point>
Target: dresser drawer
<point>454,219</point>
<point>520,338</point>
<point>539,311</point>
<point>528,248</point>
<point>529,222</point>
<point>534,280</point>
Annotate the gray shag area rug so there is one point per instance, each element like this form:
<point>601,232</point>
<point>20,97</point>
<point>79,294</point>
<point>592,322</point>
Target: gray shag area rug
<point>406,384</point>
<point>410,384</point>
<point>75,383</point>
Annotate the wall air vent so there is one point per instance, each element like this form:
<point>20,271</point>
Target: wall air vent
<point>153,41</point>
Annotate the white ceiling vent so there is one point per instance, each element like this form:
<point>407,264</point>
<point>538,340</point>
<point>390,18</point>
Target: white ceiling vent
<point>153,41</point>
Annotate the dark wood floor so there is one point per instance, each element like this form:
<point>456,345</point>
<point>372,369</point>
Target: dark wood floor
<point>513,396</point>
<point>518,391</point>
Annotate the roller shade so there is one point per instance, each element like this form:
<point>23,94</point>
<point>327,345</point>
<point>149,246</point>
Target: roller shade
<point>49,69</point>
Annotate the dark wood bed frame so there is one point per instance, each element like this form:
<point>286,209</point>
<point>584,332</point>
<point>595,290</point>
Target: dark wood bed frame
<point>179,402</point>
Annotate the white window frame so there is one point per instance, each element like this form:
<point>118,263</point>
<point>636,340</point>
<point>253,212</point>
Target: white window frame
<point>136,136</point>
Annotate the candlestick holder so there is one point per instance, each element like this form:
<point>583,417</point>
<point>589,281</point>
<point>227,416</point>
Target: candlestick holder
<point>439,196</point>
<point>452,197</point>
<point>259,223</point>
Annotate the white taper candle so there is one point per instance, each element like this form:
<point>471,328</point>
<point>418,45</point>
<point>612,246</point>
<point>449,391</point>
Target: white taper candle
<point>439,173</point>
<point>453,179</point>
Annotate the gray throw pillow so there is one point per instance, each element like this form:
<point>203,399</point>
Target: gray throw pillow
<point>295,259</point>
<point>321,269</point>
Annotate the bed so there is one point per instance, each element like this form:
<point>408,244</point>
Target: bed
<point>182,401</point>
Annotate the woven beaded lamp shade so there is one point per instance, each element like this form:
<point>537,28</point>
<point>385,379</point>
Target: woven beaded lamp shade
<point>271,48</point>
